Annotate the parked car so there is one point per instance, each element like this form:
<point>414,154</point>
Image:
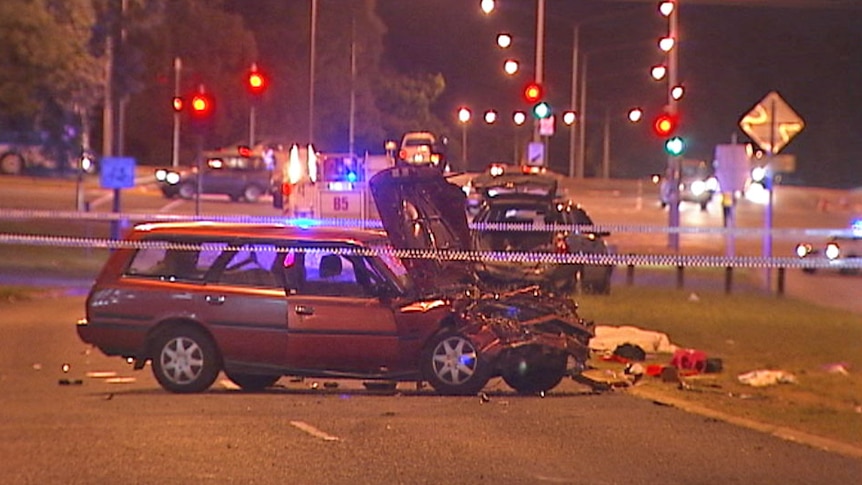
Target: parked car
<point>422,148</point>
<point>259,301</point>
<point>836,250</point>
<point>530,204</point>
<point>241,175</point>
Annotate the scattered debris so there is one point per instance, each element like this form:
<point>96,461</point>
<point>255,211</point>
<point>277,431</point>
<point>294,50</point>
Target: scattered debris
<point>483,398</point>
<point>70,382</point>
<point>65,368</point>
<point>693,297</point>
<point>766,377</point>
<point>37,366</point>
<point>837,368</point>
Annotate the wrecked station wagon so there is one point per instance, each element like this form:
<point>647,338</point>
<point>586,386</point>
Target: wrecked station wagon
<point>261,301</point>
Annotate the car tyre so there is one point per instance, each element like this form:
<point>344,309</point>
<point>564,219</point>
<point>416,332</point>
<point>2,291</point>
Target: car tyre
<point>453,365</point>
<point>185,360</point>
<point>11,164</point>
<point>187,190</point>
<point>252,193</point>
<point>252,382</point>
<point>528,370</point>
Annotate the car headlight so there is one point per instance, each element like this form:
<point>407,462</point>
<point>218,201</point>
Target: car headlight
<point>172,178</point>
<point>803,250</point>
<point>698,187</point>
<point>161,174</point>
<point>832,251</point>
<point>712,184</point>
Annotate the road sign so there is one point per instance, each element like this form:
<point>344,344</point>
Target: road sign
<point>772,123</point>
<point>117,173</point>
<point>536,154</point>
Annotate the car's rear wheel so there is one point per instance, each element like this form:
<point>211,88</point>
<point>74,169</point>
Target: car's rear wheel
<point>185,360</point>
<point>252,382</point>
<point>529,370</point>
<point>187,190</point>
<point>453,365</point>
<point>11,164</point>
<point>252,193</point>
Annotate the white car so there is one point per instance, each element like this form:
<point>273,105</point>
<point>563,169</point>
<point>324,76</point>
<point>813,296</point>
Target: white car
<point>420,148</point>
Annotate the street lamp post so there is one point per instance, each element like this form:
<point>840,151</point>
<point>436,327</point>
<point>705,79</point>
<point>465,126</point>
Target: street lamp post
<point>175,155</point>
<point>464,115</point>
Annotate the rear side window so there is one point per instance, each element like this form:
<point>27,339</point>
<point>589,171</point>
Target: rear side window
<point>172,264</point>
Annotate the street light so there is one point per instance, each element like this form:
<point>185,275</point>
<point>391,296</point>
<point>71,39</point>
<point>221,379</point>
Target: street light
<point>464,115</point>
<point>490,117</point>
<point>635,115</point>
<point>511,67</point>
<point>569,118</point>
<point>504,41</point>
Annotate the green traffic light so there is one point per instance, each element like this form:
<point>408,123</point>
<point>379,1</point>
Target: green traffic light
<point>674,146</point>
<point>542,110</point>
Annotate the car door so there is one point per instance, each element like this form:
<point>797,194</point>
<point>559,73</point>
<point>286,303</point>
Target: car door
<point>246,306</point>
<point>335,323</point>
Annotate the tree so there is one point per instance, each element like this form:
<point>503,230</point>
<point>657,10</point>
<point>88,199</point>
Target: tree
<point>46,65</point>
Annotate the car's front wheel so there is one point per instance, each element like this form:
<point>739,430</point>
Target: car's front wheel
<point>528,370</point>
<point>185,360</point>
<point>453,365</point>
<point>252,382</point>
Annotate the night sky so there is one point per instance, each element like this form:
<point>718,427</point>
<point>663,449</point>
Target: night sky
<point>731,56</point>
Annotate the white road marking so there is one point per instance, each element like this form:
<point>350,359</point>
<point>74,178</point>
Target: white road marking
<point>120,380</point>
<point>109,196</point>
<point>314,431</point>
<point>101,374</point>
<point>172,205</point>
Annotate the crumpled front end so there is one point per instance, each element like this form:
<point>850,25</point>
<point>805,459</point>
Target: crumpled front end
<point>528,317</point>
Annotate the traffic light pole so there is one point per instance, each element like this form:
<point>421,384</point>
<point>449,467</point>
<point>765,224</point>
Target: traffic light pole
<point>673,162</point>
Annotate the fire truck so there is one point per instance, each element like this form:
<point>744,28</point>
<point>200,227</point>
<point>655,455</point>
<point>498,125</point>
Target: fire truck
<point>317,185</point>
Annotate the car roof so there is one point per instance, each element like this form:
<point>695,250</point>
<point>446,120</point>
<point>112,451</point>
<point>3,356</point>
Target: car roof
<point>297,231</point>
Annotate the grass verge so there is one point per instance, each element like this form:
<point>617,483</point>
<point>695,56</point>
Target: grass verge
<point>748,332</point>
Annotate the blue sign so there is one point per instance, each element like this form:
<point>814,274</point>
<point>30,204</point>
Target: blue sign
<point>117,173</point>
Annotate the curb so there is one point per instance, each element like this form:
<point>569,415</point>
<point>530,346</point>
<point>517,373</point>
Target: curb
<point>783,432</point>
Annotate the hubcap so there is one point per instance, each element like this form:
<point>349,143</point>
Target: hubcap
<point>182,360</point>
<point>454,360</point>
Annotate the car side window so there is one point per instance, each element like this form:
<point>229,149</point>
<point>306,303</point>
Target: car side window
<point>252,265</point>
<point>328,274</point>
<point>172,264</point>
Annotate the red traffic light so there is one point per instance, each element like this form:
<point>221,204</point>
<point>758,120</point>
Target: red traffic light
<point>201,105</point>
<point>256,81</point>
<point>665,124</point>
<point>533,92</point>
<point>177,104</point>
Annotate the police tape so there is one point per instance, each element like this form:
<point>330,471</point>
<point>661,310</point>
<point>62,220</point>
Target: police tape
<point>530,258</point>
<point>127,217</point>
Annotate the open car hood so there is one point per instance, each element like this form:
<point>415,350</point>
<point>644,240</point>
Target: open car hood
<point>421,210</point>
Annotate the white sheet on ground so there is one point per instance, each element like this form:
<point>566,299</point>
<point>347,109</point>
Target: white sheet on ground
<point>609,337</point>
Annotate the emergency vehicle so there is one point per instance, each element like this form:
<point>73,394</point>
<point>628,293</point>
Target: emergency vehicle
<point>317,185</point>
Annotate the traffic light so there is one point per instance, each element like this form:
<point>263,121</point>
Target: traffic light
<point>533,92</point>
<point>665,124</point>
<point>674,146</point>
<point>542,110</point>
<point>178,104</point>
<point>201,105</point>
<point>256,81</point>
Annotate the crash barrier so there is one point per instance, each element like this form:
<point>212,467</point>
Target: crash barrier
<point>629,261</point>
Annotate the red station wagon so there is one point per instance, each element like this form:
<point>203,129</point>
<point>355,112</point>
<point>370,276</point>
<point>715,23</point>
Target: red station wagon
<point>261,301</point>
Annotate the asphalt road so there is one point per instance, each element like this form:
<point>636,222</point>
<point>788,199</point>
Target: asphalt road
<point>118,426</point>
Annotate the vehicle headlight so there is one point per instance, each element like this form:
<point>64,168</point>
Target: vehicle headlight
<point>172,178</point>
<point>698,187</point>
<point>832,251</point>
<point>803,250</point>
<point>161,174</point>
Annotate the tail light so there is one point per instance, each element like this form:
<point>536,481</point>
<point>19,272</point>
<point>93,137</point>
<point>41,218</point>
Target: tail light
<point>402,154</point>
<point>833,251</point>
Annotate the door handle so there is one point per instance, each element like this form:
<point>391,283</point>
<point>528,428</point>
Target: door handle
<point>303,310</point>
<point>214,300</point>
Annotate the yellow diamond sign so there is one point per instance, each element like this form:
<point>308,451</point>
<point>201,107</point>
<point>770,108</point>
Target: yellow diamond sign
<point>772,123</point>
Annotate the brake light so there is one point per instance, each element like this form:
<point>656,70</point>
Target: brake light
<point>402,154</point>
